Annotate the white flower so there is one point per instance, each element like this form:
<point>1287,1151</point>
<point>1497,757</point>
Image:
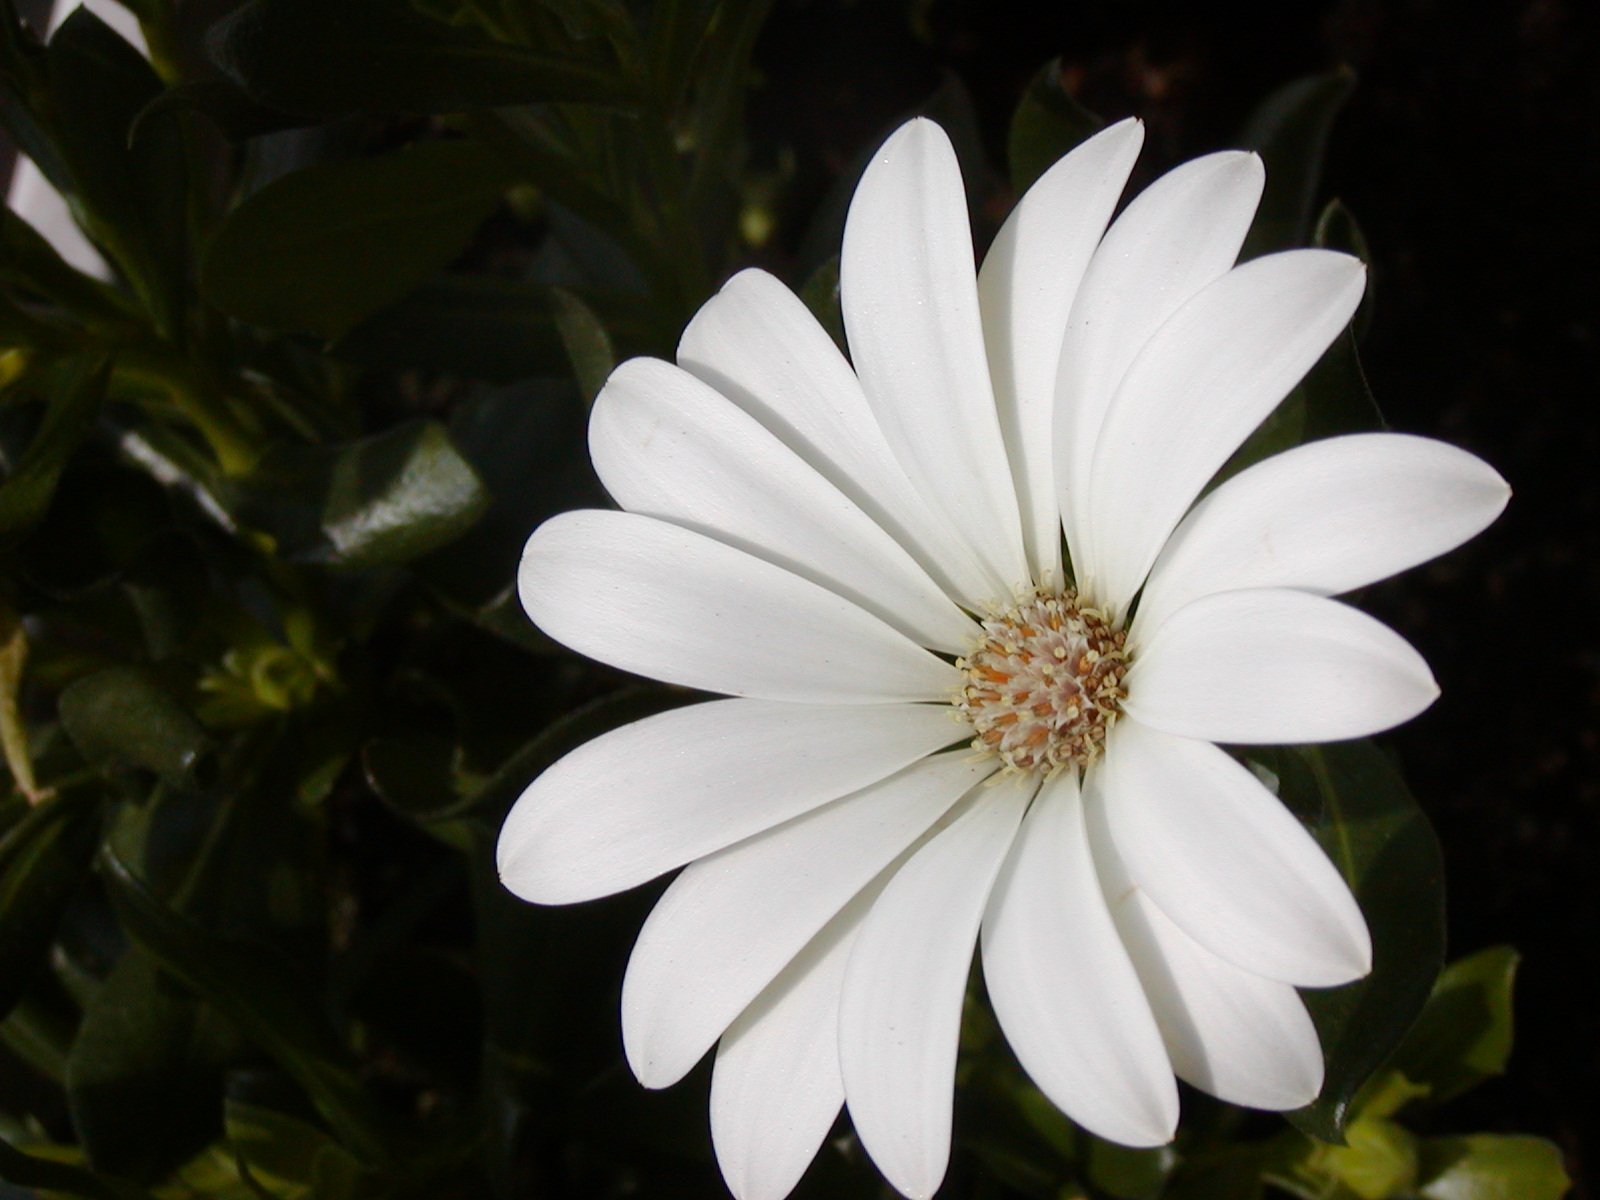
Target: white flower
<point>817,540</point>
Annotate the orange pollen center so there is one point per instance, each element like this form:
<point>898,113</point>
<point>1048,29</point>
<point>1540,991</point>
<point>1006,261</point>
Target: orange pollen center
<point>1045,684</point>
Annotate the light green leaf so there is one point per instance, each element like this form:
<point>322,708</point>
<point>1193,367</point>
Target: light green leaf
<point>1489,1166</point>
<point>321,249</point>
<point>1464,1034</point>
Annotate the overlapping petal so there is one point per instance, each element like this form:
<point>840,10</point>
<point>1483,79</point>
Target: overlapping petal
<point>1063,989</point>
<point>675,605</point>
<point>1231,867</point>
<point>1208,376</point>
<point>733,919</point>
<point>1175,237</point>
<point>1029,279</point>
<point>909,294</point>
<point>651,796</point>
<point>757,344</point>
<point>1276,666</point>
<point>900,1014</point>
<point>667,445</point>
<point>1241,1037</point>
<point>1326,517</point>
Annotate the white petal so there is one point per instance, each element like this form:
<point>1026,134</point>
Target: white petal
<point>1275,666</point>
<point>651,796</point>
<point>732,920</point>
<point>1063,990</point>
<point>1325,517</point>
<point>667,445</point>
<point>671,604</point>
<point>757,344</point>
<point>1204,380</point>
<point>1238,1036</point>
<point>776,1087</point>
<point>1029,279</point>
<point>900,1015</point>
<point>909,293</point>
<point>1179,234</point>
<point>1229,864</point>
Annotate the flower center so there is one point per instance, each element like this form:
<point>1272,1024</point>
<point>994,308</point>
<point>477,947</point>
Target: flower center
<point>1044,684</point>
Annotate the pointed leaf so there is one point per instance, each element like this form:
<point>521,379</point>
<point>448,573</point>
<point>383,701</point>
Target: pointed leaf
<point>1488,1166</point>
<point>1464,1034</point>
<point>1047,123</point>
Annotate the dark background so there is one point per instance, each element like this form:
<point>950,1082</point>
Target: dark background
<point>1469,154</point>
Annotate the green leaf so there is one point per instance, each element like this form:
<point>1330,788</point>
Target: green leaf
<point>324,60</point>
<point>1464,1034</point>
<point>321,249</point>
<point>31,1171</point>
<point>1488,1166</point>
<point>1357,806</point>
<point>28,489</point>
<point>588,344</point>
<point>30,262</point>
<point>141,1084</point>
<point>122,717</point>
<point>233,113</point>
<point>1379,1160</point>
<point>1289,129</point>
<point>1048,122</point>
<point>1128,1172</point>
<point>132,194</point>
<point>289,1159</point>
<point>262,992</point>
<point>385,499</point>
<point>44,858</point>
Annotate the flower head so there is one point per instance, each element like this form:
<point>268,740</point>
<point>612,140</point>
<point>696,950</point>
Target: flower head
<point>940,735</point>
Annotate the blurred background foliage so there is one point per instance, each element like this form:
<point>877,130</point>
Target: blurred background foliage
<point>266,691</point>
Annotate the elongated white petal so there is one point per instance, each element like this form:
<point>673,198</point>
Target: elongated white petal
<point>1325,517</point>
<point>667,445</point>
<point>651,796</point>
<point>1026,287</point>
<point>1232,868</point>
<point>1178,235</point>
<point>1063,989</point>
<point>757,344</point>
<point>909,294</point>
<point>1204,380</point>
<point>776,1087</point>
<point>900,1014</point>
<point>1275,666</point>
<point>1241,1037</point>
<point>675,605</point>
<point>731,921</point>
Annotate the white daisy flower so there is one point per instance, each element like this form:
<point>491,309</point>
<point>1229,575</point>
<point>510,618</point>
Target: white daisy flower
<point>941,739</point>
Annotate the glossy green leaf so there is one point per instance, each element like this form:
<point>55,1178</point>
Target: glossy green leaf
<point>385,499</point>
<point>1358,807</point>
<point>1290,129</point>
<point>70,410</point>
<point>470,326</point>
<point>142,1080</point>
<point>1464,1034</point>
<point>122,717</point>
<point>262,992</point>
<point>44,859</point>
<point>61,1178</point>
<point>1489,1166</point>
<point>324,60</point>
<point>588,345</point>
<point>321,249</point>
<point>1047,123</point>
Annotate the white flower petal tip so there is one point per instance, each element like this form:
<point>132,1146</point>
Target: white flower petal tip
<point>1221,857</point>
<point>1275,666</point>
